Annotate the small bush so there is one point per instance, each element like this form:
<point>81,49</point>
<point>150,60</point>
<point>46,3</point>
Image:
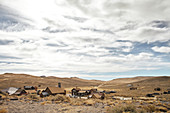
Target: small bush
<point>162,109</point>
<point>115,109</point>
<point>121,109</point>
<point>141,111</point>
<point>43,103</point>
<point>130,108</point>
<point>158,104</point>
<point>61,98</point>
<point>89,102</point>
<point>3,111</point>
<point>48,102</point>
<point>150,108</point>
<point>33,97</point>
<point>76,102</point>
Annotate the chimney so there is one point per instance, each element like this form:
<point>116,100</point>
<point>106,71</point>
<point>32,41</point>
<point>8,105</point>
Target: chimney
<point>59,85</point>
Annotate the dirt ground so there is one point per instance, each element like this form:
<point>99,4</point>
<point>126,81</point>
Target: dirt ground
<point>23,107</point>
<point>84,106</point>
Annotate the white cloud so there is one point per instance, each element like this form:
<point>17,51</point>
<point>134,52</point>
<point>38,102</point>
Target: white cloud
<point>82,35</point>
<point>162,49</point>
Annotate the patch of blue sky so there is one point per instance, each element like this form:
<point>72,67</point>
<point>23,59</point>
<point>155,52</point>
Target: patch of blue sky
<point>114,75</point>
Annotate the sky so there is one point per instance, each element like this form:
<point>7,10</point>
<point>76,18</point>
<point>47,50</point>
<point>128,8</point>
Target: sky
<point>91,39</point>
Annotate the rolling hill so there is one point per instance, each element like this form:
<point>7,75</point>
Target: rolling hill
<point>144,84</point>
<point>20,80</point>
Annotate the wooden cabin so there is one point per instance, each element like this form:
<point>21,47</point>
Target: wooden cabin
<point>29,87</point>
<point>133,88</point>
<point>20,92</point>
<point>55,90</point>
<point>98,96</point>
<point>157,89</point>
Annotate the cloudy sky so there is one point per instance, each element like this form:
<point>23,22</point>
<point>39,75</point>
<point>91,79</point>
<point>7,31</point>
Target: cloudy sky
<point>92,39</point>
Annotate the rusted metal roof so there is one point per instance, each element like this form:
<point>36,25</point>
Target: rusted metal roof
<point>55,90</point>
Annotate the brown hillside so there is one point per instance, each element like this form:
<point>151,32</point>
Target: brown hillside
<point>144,85</point>
<point>20,80</point>
<point>121,81</point>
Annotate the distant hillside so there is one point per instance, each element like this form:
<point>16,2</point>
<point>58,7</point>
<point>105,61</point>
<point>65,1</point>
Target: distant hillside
<point>150,81</point>
<point>120,81</point>
<point>20,80</point>
<point>144,84</point>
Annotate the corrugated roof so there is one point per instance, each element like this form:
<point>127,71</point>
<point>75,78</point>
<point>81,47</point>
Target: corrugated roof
<point>19,91</point>
<point>56,90</point>
<point>44,93</point>
<point>12,90</point>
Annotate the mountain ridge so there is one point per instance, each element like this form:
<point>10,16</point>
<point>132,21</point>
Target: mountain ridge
<point>20,80</point>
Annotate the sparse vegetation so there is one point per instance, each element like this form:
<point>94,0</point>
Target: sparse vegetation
<point>89,102</point>
<point>123,108</point>
<point>76,102</point>
<point>162,109</point>
<point>59,98</point>
<point>3,111</point>
<point>150,108</point>
<point>131,101</point>
<point>33,97</point>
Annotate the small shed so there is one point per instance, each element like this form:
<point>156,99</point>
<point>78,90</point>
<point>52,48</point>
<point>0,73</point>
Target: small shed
<point>130,85</point>
<point>155,93</point>
<point>44,94</point>
<point>112,91</point>
<point>168,92</point>
<point>82,93</point>
<point>29,87</point>
<point>75,91</point>
<point>3,92</point>
<point>157,89</point>
<point>133,88</point>
<point>20,92</point>
<point>98,96</point>
<point>93,91</point>
<point>55,90</point>
<point>165,92</point>
<point>150,95</point>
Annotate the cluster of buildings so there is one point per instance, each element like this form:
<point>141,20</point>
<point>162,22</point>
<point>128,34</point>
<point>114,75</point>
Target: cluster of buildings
<point>44,92</point>
<point>91,93</point>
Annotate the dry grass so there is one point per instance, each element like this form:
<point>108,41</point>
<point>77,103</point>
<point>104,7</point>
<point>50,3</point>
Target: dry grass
<point>33,97</point>
<point>149,108</point>
<point>89,102</point>
<point>162,109</point>
<point>3,111</point>
<point>76,102</point>
<point>43,103</point>
<point>120,109</point>
<point>131,108</point>
<point>46,102</point>
<point>58,98</point>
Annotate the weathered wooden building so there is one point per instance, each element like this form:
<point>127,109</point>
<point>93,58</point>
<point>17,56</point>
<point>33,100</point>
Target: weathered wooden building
<point>55,90</point>
<point>29,87</point>
<point>98,96</point>
<point>133,88</point>
<point>20,92</point>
